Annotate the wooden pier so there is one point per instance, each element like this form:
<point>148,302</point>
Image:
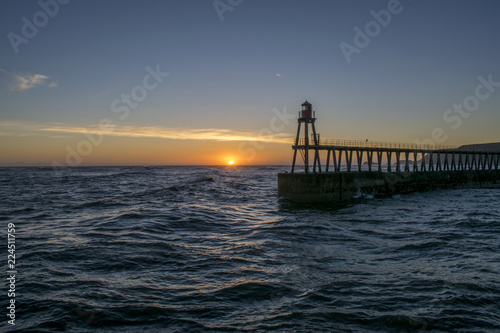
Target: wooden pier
<point>353,168</point>
<point>371,156</point>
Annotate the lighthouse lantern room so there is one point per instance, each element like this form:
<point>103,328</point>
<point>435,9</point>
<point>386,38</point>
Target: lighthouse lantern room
<point>306,110</point>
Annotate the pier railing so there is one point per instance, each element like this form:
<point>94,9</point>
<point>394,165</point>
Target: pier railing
<point>327,142</point>
<point>377,144</point>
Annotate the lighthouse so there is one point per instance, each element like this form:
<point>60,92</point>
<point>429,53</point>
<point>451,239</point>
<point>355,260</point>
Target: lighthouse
<point>307,117</point>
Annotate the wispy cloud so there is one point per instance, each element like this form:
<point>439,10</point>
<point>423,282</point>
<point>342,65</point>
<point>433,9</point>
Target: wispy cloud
<point>19,129</point>
<point>204,134</point>
<point>27,81</point>
<point>20,82</point>
<point>101,94</point>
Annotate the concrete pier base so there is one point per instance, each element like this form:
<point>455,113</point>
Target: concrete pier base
<point>340,186</point>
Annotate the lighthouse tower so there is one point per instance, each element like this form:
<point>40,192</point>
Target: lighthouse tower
<point>307,117</point>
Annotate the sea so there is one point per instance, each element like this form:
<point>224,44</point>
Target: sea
<point>213,249</point>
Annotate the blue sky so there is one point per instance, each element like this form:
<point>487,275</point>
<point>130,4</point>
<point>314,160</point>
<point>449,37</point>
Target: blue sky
<point>228,75</point>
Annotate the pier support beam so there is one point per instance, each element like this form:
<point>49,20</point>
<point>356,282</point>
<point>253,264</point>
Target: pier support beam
<point>328,160</point>
<point>379,158</point>
<point>389,156</point>
<point>370,159</point>
<point>490,161</point>
<point>348,157</point>
<point>339,161</point>
<point>359,155</point>
<point>317,161</point>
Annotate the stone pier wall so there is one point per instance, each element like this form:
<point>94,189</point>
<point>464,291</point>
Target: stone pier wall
<point>341,186</point>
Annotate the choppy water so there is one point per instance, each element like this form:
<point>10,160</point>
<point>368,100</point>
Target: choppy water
<point>211,249</point>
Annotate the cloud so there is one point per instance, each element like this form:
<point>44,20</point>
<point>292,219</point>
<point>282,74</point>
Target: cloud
<point>104,93</point>
<point>202,134</point>
<point>26,81</point>
<point>20,82</point>
<point>18,128</point>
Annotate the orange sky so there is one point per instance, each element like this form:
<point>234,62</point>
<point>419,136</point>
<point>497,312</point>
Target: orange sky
<point>63,146</point>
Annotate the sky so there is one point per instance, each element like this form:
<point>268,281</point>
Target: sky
<point>204,82</point>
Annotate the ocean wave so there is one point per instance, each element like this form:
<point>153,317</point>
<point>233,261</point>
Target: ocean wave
<point>212,249</point>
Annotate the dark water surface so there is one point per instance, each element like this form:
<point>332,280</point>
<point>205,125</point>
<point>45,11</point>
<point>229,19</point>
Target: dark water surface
<point>211,249</point>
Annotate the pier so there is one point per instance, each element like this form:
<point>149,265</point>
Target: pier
<point>342,169</point>
<point>398,157</point>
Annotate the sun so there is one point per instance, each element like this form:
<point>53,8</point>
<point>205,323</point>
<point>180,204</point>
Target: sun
<point>230,162</point>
